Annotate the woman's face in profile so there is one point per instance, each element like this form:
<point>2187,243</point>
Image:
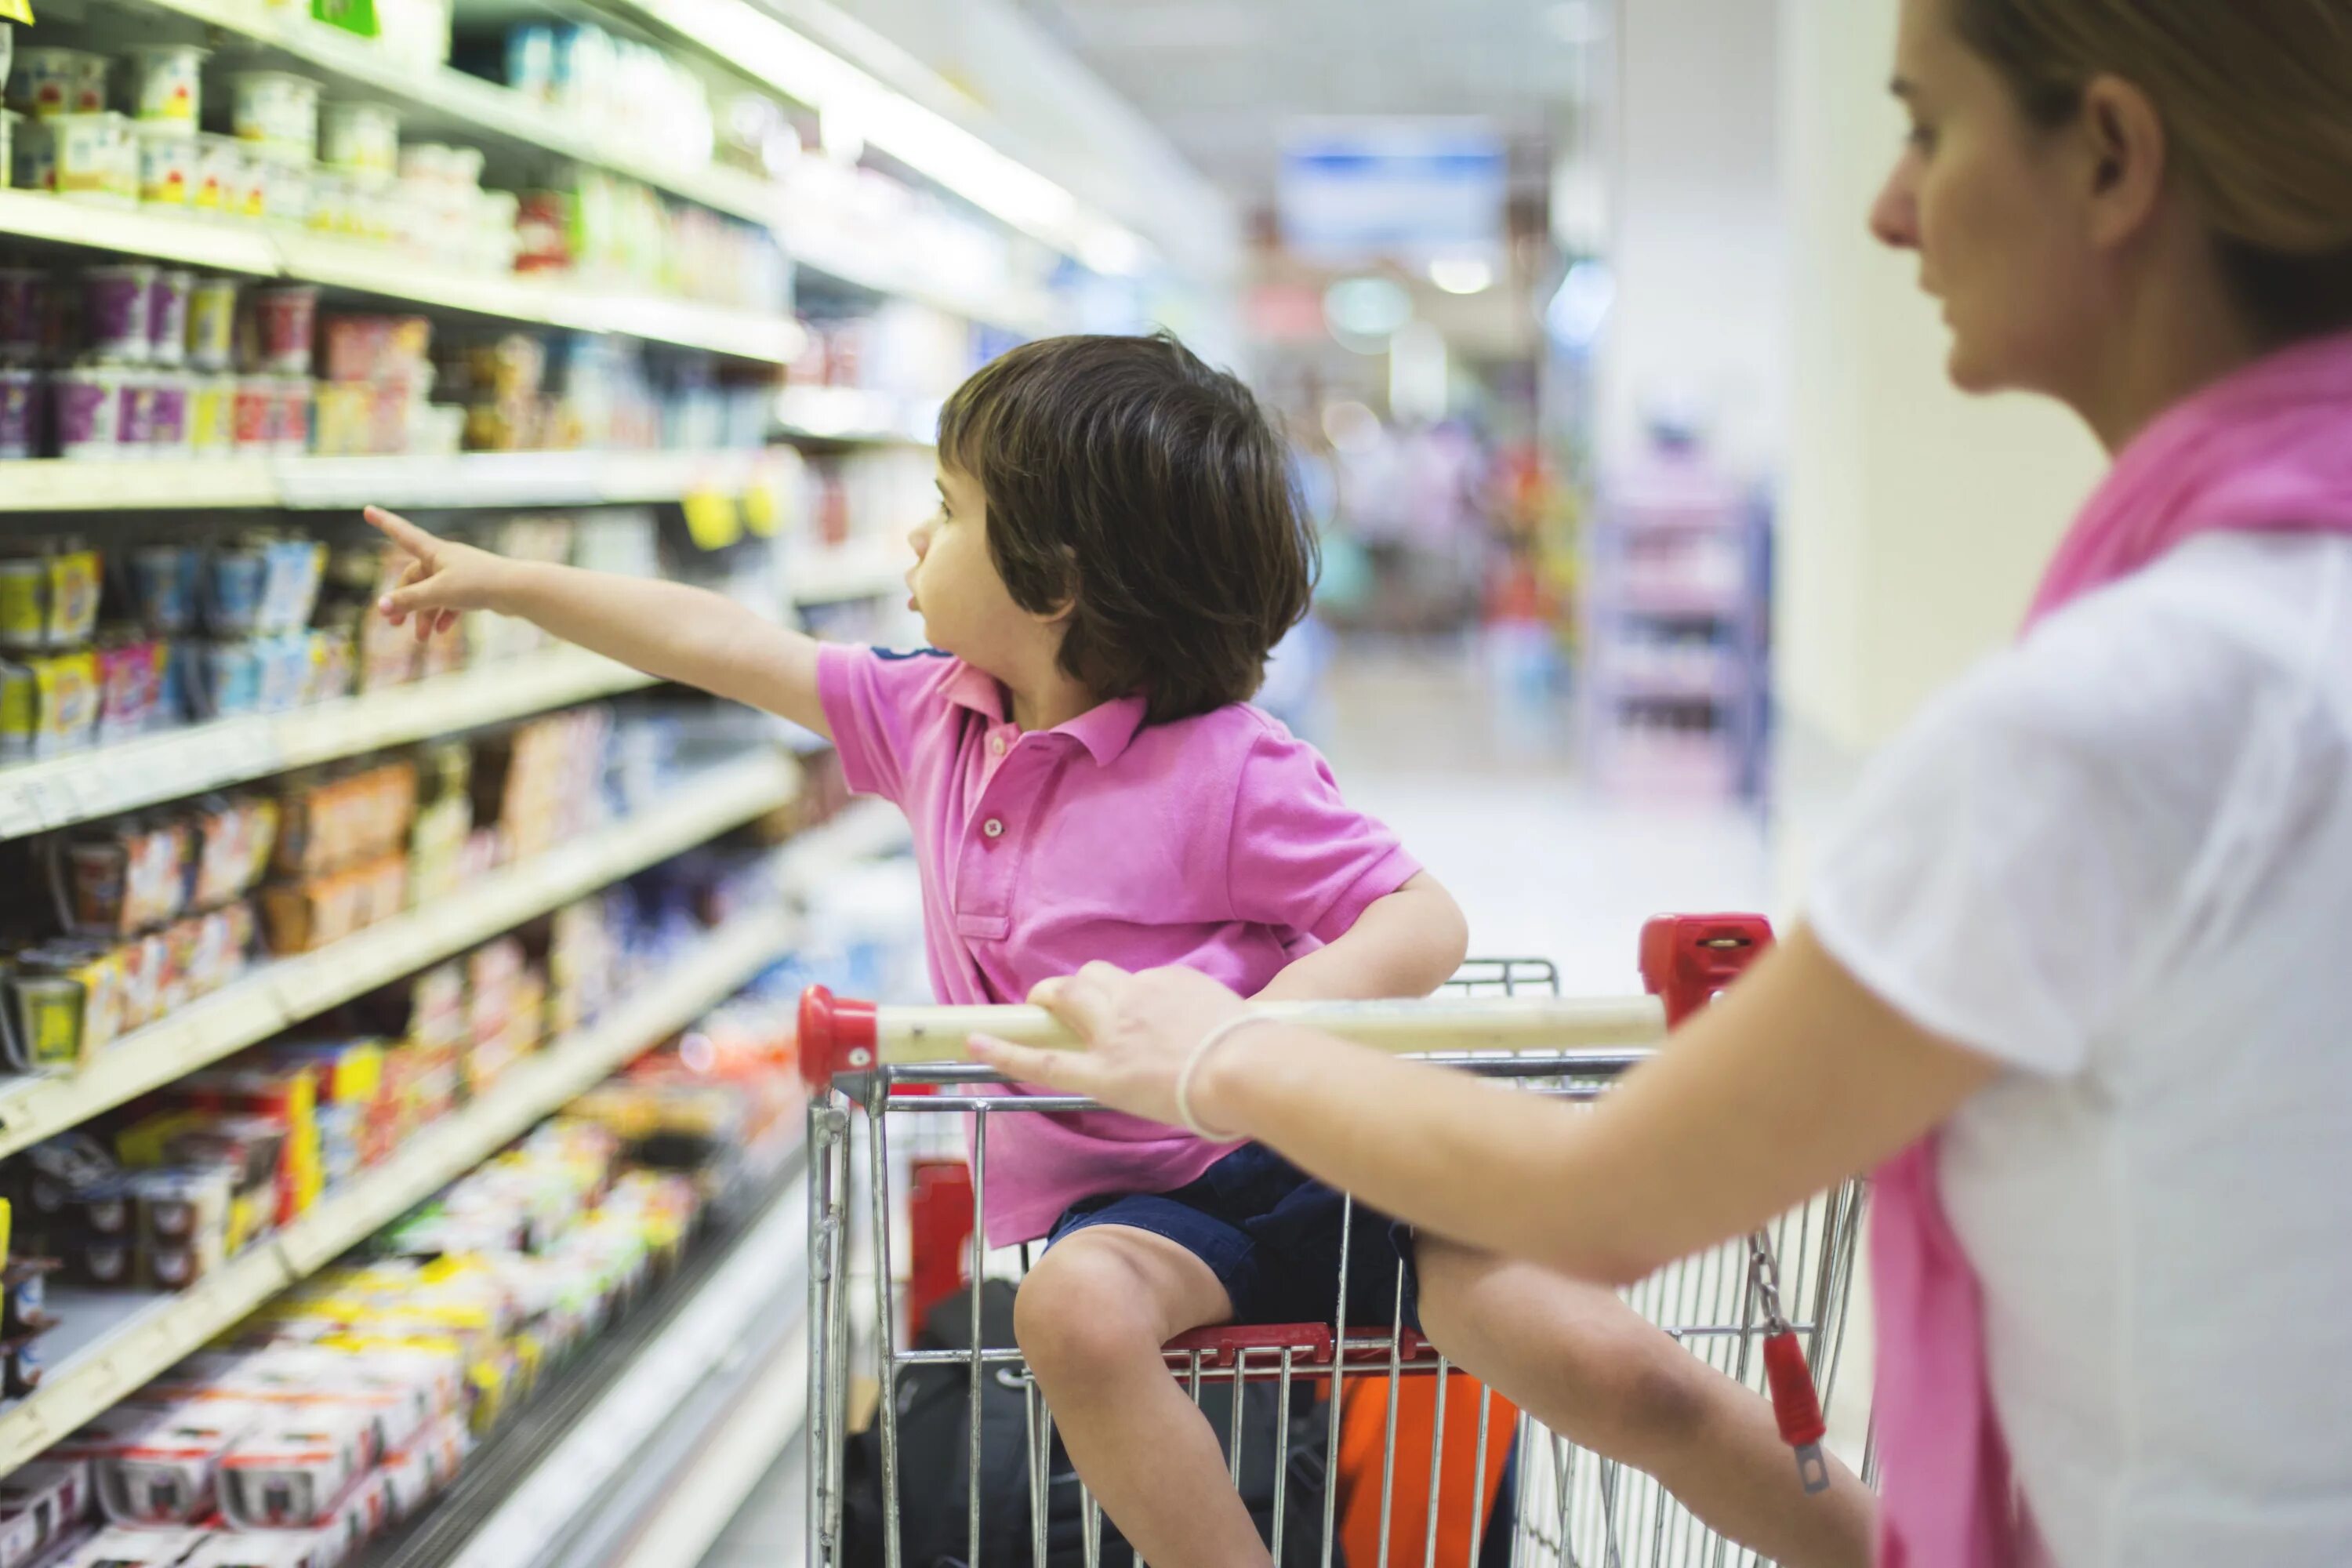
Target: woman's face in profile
<point>1989,204</point>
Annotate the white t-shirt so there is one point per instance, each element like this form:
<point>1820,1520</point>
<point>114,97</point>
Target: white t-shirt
<point>2118,857</point>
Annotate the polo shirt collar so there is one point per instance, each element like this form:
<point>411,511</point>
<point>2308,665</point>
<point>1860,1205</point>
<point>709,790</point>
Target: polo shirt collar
<point>1105,729</point>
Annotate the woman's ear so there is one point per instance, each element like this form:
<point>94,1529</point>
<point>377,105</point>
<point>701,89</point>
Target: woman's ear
<point>2127,154</point>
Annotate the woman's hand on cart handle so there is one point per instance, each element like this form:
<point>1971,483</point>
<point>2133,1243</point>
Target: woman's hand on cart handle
<point>1140,1030</point>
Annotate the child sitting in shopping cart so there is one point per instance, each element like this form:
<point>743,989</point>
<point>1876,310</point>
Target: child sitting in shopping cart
<point>1116,550</point>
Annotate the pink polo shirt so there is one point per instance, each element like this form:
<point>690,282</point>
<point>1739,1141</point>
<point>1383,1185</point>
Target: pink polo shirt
<point>1220,842</point>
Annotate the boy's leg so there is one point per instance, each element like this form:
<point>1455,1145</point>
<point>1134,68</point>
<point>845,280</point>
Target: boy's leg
<point>1593,1370</point>
<point>1091,1317</point>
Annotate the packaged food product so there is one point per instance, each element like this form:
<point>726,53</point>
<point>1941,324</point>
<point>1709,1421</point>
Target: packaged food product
<point>33,155</point>
<point>163,580</point>
<point>212,412</point>
<point>290,1473</point>
<point>19,403</point>
<point>87,402</point>
<point>96,156</point>
<point>251,413</point>
<point>20,314</point>
<point>131,688</point>
<point>289,423</point>
<point>167,85</point>
<point>20,707</point>
<point>73,584</point>
<point>165,1470</point>
<point>45,1021</point>
<point>117,305</point>
<point>286,320</point>
<point>134,430</point>
<point>231,682</point>
<point>291,179</point>
<point>47,83</point>
<point>218,186</point>
<point>54,1495</point>
<point>212,324</point>
<point>8,122</point>
<point>276,110</point>
<point>360,138</point>
<point>66,686</point>
<point>169,299</point>
<point>167,164</point>
<point>168,432</point>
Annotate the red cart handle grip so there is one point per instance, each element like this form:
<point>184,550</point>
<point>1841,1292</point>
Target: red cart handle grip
<point>836,1035</point>
<point>1686,959</point>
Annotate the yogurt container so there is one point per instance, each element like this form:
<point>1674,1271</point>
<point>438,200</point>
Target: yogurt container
<point>286,321</point>
<point>168,432</point>
<point>290,415</point>
<point>88,402</point>
<point>212,415</point>
<point>360,139</point>
<point>33,155</point>
<point>8,118</point>
<point>212,323</point>
<point>115,307</point>
<point>250,409</point>
<point>290,180</point>
<point>167,316</point>
<point>276,110</point>
<point>220,173</point>
<point>19,432</point>
<point>20,313</point>
<point>47,83</point>
<point>134,427</point>
<point>167,164</point>
<point>167,85</point>
<point>96,156</point>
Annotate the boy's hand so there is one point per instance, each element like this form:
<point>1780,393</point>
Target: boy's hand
<point>442,579</point>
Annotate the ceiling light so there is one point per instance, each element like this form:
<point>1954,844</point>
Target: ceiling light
<point>1462,274</point>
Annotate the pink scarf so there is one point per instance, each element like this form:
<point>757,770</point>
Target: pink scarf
<point>2267,449</point>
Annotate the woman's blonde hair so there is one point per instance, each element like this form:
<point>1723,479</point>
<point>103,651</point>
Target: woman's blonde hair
<point>2256,98</point>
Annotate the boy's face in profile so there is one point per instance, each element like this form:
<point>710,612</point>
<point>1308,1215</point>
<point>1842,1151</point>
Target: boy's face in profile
<point>967,610</point>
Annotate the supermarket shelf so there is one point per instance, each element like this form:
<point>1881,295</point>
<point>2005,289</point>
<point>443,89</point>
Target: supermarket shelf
<point>860,569</point>
<point>446,94</point>
<point>468,480</point>
<point>153,1340</point>
<point>36,797</point>
<point>773,337</point>
<point>283,993</point>
<point>374,269</point>
<point>188,241</point>
<point>815,247</point>
<point>852,416</point>
<point>864,829</point>
<point>47,485</point>
<point>649,1437</point>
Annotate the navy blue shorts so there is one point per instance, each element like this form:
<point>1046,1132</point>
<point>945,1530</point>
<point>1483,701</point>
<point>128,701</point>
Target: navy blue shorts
<point>1270,1233</point>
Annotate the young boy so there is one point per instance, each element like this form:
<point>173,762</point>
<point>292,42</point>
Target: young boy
<point>1116,550</point>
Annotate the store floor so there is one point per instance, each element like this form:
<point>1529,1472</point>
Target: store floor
<point>1489,799</point>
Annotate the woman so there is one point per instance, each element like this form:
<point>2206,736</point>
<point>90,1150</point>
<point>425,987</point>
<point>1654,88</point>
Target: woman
<point>2072,969</point>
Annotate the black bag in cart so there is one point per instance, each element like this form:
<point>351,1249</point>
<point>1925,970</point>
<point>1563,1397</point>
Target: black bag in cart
<point>934,1471</point>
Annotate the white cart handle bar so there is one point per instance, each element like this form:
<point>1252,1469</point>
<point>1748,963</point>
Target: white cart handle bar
<point>1686,960</point>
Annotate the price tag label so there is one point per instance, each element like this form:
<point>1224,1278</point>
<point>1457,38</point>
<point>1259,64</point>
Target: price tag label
<point>712,518</point>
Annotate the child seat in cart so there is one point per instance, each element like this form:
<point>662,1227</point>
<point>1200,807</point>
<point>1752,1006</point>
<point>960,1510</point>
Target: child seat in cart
<point>1306,1412</point>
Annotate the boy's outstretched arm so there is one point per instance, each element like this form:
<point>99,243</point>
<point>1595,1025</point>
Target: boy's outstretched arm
<point>667,629</point>
<point>1406,945</point>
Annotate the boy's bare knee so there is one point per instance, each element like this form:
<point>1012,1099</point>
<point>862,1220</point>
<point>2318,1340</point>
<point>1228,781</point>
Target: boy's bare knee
<point>1076,1316</point>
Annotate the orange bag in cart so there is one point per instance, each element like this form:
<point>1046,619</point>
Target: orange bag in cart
<point>1357,1468</point>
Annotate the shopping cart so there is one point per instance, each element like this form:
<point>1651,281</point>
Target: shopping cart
<point>1767,1311</point>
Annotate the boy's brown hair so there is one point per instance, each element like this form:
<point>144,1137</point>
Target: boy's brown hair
<point>1148,493</point>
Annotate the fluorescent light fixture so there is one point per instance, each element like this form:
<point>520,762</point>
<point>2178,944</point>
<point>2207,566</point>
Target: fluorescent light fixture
<point>887,118</point>
<point>1462,274</point>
